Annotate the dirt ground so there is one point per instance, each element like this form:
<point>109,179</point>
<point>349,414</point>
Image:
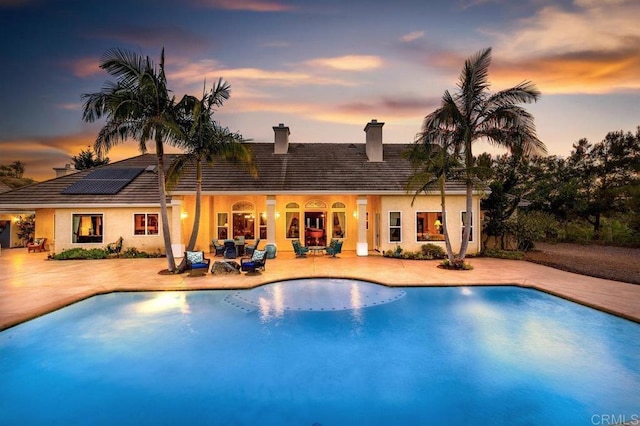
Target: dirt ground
<point>614,263</point>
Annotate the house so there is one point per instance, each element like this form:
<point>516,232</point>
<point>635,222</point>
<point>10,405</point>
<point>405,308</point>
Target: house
<point>312,192</point>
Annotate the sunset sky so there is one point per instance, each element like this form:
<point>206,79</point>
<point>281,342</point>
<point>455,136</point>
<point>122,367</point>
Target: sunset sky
<point>323,68</point>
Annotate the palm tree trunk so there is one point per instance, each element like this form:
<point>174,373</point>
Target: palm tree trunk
<point>467,228</point>
<point>182,267</point>
<point>196,218</point>
<point>171,263</point>
<point>469,208</point>
<point>447,241</point>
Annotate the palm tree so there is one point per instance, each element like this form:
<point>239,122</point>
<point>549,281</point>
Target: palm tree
<point>137,106</point>
<point>206,141</point>
<point>473,114</point>
<point>434,162</point>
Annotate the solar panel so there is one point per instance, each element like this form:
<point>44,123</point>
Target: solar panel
<point>106,181</point>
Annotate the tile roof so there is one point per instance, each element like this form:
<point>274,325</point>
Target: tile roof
<point>310,168</point>
<point>307,168</point>
<point>4,187</point>
<point>141,191</point>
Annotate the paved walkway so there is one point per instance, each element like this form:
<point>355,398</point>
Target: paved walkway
<point>31,285</point>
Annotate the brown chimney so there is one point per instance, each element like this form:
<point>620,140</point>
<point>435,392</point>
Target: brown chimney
<point>373,131</point>
<point>281,139</point>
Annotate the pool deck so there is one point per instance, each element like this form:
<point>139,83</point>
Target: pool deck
<point>31,285</point>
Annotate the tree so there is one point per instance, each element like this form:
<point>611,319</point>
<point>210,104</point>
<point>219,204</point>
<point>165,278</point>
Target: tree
<point>434,161</point>
<point>136,106</point>
<point>205,141</point>
<point>87,159</point>
<point>26,228</point>
<point>473,114</point>
<point>14,170</point>
<point>605,174</point>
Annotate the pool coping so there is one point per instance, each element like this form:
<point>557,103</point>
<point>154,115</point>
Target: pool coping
<point>32,292</point>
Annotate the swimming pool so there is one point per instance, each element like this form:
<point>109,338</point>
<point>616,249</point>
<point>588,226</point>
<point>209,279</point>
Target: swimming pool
<point>322,352</point>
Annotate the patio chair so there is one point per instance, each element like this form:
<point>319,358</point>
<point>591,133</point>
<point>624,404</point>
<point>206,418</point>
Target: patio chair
<point>250,248</point>
<point>300,251</point>
<point>36,245</point>
<point>257,262</point>
<point>197,264</point>
<point>230,249</point>
<point>219,248</point>
<point>115,248</point>
<point>334,248</point>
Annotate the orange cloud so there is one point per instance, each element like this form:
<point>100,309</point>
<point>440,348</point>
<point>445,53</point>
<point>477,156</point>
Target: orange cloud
<point>586,72</point>
<point>591,48</point>
<point>43,154</point>
<point>189,76</point>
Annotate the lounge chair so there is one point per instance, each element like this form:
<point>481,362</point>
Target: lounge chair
<point>115,248</point>
<point>197,264</point>
<point>334,248</point>
<point>219,248</point>
<point>298,249</point>
<point>250,248</point>
<point>230,249</point>
<point>257,261</point>
<point>36,245</point>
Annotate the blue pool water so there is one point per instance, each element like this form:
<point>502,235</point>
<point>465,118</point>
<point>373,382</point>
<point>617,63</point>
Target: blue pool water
<point>325,352</point>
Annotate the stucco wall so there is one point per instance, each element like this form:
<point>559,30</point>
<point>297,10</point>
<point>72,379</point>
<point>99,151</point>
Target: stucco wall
<point>212,205</point>
<point>455,205</point>
<point>117,222</point>
<point>45,227</point>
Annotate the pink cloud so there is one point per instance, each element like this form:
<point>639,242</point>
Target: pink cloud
<point>249,5</point>
<point>86,67</point>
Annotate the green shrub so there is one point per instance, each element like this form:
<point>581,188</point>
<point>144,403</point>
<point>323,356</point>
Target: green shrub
<point>432,251</point>
<point>504,254</point>
<point>81,253</point>
<point>532,226</point>
<point>133,253</point>
<point>457,263</point>
<point>397,252</point>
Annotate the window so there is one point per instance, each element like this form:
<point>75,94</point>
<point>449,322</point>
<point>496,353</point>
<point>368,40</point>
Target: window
<point>429,226</point>
<point>395,227</point>
<point>223,226</point>
<point>315,204</point>
<point>293,225</point>
<point>86,228</point>
<point>464,224</point>
<point>244,220</point>
<point>263,225</point>
<point>145,224</point>
<point>339,220</point>
<point>292,218</point>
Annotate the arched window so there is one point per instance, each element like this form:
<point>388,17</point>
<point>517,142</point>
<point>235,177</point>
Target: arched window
<point>315,204</point>
<point>338,220</point>
<point>244,220</point>
<point>292,217</point>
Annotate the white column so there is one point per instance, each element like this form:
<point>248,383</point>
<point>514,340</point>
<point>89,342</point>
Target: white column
<point>271,219</point>
<point>362,248</point>
<point>177,245</point>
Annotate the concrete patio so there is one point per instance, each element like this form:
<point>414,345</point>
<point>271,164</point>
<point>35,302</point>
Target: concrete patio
<point>31,285</point>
